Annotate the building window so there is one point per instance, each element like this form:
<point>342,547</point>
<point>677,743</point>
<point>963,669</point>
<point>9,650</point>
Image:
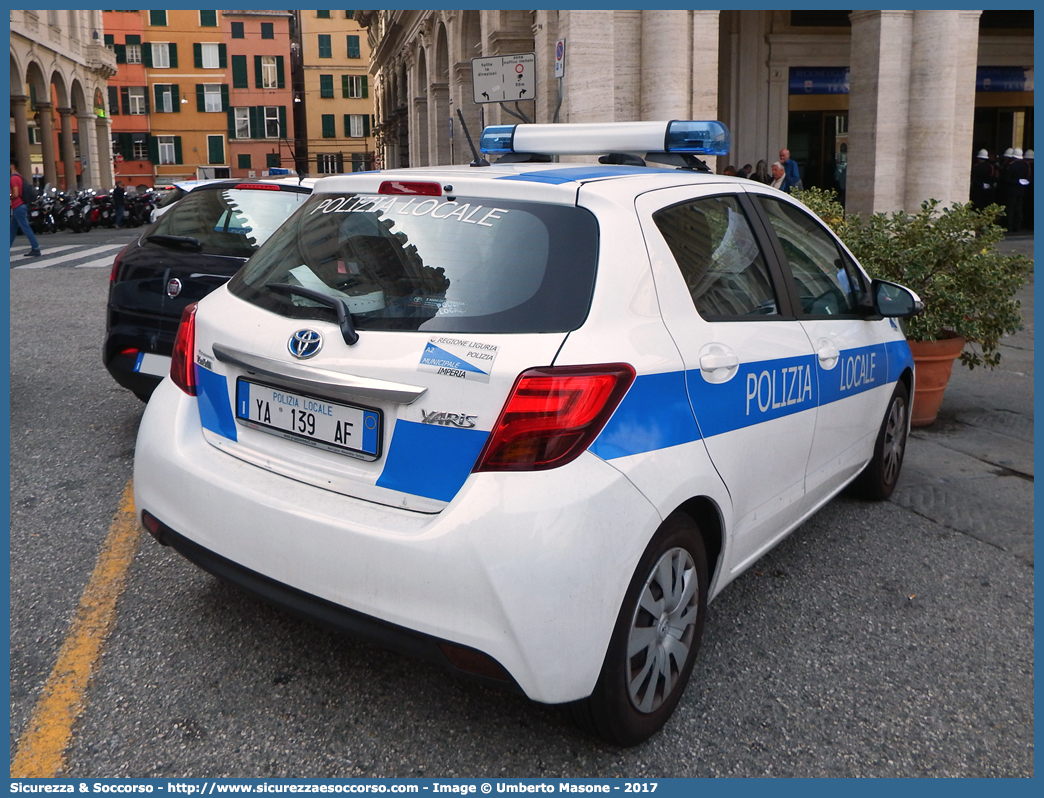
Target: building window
<point>133,52</point>
<point>329,163</point>
<point>356,126</point>
<point>159,19</point>
<point>140,146</point>
<point>215,149</point>
<point>165,99</point>
<point>244,160</point>
<point>353,47</point>
<point>325,48</point>
<point>136,100</point>
<point>353,86</point>
<point>212,97</point>
<point>349,15</point>
<point>166,149</point>
<point>242,122</point>
<point>237,32</point>
<point>271,122</point>
<point>210,54</point>
<point>326,86</point>
<point>329,128</point>
<point>269,73</point>
<point>208,19</point>
<point>272,159</point>
<point>322,14</point>
<point>160,55</point>
<point>267,30</point>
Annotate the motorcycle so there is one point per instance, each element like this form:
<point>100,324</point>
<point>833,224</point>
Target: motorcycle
<point>78,211</point>
<point>138,210</point>
<point>103,212</point>
<point>41,213</point>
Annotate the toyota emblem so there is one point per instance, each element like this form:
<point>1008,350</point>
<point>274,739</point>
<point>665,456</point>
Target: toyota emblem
<point>173,287</point>
<point>305,343</point>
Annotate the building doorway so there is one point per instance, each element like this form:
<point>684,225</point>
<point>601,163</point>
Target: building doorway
<point>818,141</point>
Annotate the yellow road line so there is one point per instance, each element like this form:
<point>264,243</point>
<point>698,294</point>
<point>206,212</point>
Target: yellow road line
<point>41,748</point>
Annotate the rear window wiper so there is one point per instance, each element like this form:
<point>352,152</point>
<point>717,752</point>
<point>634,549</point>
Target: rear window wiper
<point>344,315</point>
<point>174,242</point>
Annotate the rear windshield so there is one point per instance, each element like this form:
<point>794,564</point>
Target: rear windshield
<point>447,264</point>
<point>230,221</point>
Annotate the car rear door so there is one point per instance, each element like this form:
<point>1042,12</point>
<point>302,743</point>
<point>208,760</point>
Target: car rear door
<point>749,363</point>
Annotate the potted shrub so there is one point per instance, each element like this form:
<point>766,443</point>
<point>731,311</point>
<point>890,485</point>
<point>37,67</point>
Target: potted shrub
<point>949,257</point>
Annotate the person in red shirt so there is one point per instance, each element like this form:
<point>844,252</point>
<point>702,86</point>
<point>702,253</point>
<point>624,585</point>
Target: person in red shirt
<point>20,214</point>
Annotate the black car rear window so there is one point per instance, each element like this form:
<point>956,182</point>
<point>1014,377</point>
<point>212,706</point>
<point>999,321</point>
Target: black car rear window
<point>228,221</point>
<point>447,264</point>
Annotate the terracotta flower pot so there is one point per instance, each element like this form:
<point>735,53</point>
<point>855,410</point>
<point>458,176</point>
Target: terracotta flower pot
<point>934,362</point>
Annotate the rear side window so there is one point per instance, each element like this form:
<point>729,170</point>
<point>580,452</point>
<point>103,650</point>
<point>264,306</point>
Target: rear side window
<point>452,264</point>
<point>719,257</point>
<point>229,221</point>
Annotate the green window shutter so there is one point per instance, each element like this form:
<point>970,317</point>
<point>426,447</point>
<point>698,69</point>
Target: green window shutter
<point>322,14</point>
<point>267,30</point>
<point>145,96</point>
<point>174,98</point>
<point>365,87</point>
<point>326,85</point>
<point>272,159</point>
<point>282,121</point>
<point>280,77</point>
<point>126,145</point>
<point>172,48</point>
<point>224,96</point>
<point>259,79</point>
<point>146,55</point>
<point>114,101</point>
<point>131,38</point>
<point>353,47</point>
<point>197,55</point>
<point>325,49</point>
<point>255,128</point>
<point>109,39</point>
<point>222,55</point>
<point>366,125</point>
<point>239,72</point>
<point>231,117</point>
<point>177,150</point>
<point>237,30</point>
<point>347,125</point>
<point>349,15</point>
<point>158,19</point>
<point>201,100</point>
<point>215,149</point>
<point>328,126</point>
<point>121,53</point>
<point>208,19</point>
<point>153,149</point>
<point>345,91</point>
<point>159,96</point>
<point>244,160</point>
<point>125,99</point>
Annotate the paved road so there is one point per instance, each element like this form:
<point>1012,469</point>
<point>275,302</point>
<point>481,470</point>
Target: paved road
<point>878,640</point>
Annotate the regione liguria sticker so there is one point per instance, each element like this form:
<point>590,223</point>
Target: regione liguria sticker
<point>458,358</point>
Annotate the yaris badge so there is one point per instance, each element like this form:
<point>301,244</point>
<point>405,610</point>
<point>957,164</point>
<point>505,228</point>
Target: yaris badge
<point>305,344</point>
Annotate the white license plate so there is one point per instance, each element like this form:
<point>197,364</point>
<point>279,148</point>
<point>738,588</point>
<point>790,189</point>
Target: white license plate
<point>341,428</point>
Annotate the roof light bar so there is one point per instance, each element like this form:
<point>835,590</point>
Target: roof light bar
<point>698,138</point>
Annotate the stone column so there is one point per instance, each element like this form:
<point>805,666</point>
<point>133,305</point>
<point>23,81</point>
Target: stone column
<point>964,112</point>
<point>704,103</point>
<point>45,120</point>
<point>590,61</point>
<point>878,110</point>
<point>104,158</point>
<point>627,76</point>
<point>68,148</point>
<point>89,175</point>
<point>464,93</point>
<point>666,65</point>
<point>439,121</point>
<point>21,141</point>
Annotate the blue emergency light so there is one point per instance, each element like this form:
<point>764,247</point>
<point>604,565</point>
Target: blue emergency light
<point>692,137</point>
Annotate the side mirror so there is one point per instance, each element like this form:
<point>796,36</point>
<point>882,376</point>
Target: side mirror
<point>894,301</point>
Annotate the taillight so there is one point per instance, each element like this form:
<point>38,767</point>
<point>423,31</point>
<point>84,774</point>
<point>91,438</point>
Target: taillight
<point>552,415</point>
<point>182,367</point>
<point>115,267</point>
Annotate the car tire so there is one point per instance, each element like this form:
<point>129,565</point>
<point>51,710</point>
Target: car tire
<point>649,659</point>
<point>879,478</point>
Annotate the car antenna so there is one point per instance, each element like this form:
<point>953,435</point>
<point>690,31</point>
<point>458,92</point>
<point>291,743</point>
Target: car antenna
<point>479,160</point>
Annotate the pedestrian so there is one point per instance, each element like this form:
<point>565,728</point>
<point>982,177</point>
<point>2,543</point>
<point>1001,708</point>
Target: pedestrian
<point>1017,178</point>
<point>779,176</point>
<point>792,174</point>
<point>745,171</point>
<point>983,189</point>
<point>1028,215</point>
<point>118,197</point>
<point>20,213</point>
<point>730,170</point>
<point>762,173</point>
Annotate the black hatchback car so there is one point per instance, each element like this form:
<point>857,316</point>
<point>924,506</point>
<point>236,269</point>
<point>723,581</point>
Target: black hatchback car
<point>192,249</point>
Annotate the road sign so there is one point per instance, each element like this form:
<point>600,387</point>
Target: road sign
<point>560,58</point>
<point>504,78</point>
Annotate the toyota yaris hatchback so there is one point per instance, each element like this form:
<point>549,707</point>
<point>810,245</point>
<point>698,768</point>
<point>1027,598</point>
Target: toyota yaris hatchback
<point>526,419</point>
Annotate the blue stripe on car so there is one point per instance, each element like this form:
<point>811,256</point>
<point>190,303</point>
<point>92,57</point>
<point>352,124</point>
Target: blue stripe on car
<point>575,173</point>
<point>654,414</point>
<point>431,461</point>
<point>215,412</point>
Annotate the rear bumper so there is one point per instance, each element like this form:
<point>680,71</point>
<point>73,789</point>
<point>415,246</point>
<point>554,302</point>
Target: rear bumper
<point>529,568</point>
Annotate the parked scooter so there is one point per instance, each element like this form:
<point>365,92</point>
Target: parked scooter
<point>103,212</point>
<point>138,209</point>
<point>78,211</point>
<point>41,212</point>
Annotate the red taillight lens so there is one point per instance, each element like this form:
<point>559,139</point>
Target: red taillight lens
<point>410,187</point>
<point>115,267</point>
<point>182,367</point>
<point>553,415</point>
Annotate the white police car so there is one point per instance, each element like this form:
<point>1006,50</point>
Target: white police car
<point>526,419</point>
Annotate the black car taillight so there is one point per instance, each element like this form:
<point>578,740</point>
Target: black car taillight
<point>182,367</point>
<point>115,267</point>
<point>552,415</point>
